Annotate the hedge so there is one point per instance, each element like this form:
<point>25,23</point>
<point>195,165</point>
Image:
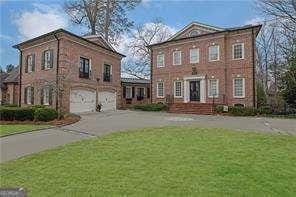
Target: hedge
<point>38,113</point>
<point>151,107</point>
<point>245,111</point>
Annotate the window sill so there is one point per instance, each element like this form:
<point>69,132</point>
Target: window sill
<point>238,58</point>
<point>160,66</point>
<point>160,97</point>
<point>213,96</point>
<point>239,97</point>
<point>178,96</point>
<point>214,60</point>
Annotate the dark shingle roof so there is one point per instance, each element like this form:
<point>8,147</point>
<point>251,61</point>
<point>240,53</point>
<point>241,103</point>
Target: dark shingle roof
<point>3,76</point>
<point>13,76</point>
<point>134,80</point>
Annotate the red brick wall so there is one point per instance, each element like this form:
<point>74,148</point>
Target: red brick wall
<point>134,99</point>
<point>215,69</point>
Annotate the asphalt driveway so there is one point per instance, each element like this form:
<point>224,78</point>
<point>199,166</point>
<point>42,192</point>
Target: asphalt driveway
<point>96,124</point>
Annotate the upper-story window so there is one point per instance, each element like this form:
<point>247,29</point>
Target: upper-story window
<point>160,60</point>
<point>238,51</point>
<point>29,95</point>
<point>177,56</point>
<point>47,59</point>
<point>160,90</point>
<point>84,68</point>
<point>238,87</point>
<point>107,73</point>
<point>214,53</point>
<point>213,90</point>
<point>194,56</point>
<point>30,66</point>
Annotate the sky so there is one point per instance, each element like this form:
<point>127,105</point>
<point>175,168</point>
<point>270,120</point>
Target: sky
<point>25,19</point>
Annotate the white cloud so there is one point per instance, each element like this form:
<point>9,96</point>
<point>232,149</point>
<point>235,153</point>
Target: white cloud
<point>42,19</point>
<point>254,21</point>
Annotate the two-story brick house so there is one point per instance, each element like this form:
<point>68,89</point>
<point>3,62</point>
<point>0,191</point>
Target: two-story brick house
<point>69,72</point>
<point>202,64</point>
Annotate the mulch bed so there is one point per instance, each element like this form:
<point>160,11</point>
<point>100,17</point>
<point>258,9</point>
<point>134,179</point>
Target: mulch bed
<point>68,119</point>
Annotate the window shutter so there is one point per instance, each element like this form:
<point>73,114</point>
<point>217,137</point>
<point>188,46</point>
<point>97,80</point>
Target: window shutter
<point>50,95</point>
<point>26,67</point>
<point>25,95</point>
<point>32,97</point>
<point>51,58</point>
<point>148,92</point>
<point>43,61</point>
<point>124,92</point>
<point>133,92</point>
<point>33,62</point>
<point>41,96</point>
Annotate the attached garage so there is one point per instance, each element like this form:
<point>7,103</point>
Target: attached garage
<point>107,100</point>
<point>82,101</point>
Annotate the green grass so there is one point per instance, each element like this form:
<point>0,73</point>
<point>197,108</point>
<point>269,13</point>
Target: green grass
<point>18,128</point>
<point>168,161</point>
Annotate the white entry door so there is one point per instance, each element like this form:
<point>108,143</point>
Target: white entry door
<point>82,101</point>
<point>108,100</point>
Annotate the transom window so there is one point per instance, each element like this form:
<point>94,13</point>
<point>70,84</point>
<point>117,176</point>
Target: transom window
<point>239,87</point>
<point>213,88</point>
<point>30,61</point>
<point>177,55</point>
<point>178,89</point>
<point>194,55</point>
<point>160,60</point>
<point>47,59</point>
<point>84,68</point>
<point>238,51</point>
<point>160,90</point>
<point>128,92</point>
<point>214,53</point>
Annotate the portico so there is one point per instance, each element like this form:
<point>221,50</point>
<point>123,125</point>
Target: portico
<point>194,88</point>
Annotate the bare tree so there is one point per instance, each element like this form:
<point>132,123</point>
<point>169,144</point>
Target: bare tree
<point>105,17</point>
<point>142,36</point>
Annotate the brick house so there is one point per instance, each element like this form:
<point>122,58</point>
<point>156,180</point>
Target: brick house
<point>69,72</point>
<point>201,65</point>
<point>135,91</point>
<point>10,90</point>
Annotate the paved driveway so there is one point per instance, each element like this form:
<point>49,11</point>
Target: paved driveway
<point>97,124</point>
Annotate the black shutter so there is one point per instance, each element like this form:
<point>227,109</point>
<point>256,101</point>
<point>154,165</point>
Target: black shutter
<point>26,67</point>
<point>51,58</point>
<point>50,95</point>
<point>133,92</point>
<point>43,61</point>
<point>32,97</point>
<point>33,62</point>
<point>148,92</point>
<point>41,96</point>
<point>124,92</point>
<point>25,95</point>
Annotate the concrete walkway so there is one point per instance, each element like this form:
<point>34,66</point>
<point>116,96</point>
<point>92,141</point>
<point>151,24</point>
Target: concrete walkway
<point>96,124</point>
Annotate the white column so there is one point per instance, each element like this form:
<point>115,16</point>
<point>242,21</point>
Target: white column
<point>202,91</point>
<point>186,91</point>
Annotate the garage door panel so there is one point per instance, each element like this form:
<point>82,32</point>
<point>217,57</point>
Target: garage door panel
<point>82,101</point>
<point>107,100</point>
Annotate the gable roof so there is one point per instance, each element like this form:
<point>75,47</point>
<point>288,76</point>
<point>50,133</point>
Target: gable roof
<point>69,33</point>
<point>212,33</point>
<point>3,76</point>
<point>99,38</point>
<point>134,80</point>
<point>195,24</point>
<point>13,76</point>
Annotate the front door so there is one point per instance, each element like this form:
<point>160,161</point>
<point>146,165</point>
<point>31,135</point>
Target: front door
<point>194,90</point>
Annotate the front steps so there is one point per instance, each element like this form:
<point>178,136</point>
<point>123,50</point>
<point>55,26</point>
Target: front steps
<point>192,108</point>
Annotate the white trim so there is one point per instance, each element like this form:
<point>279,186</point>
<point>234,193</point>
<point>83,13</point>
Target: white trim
<point>216,45</point>
<point>194,49</point>
<point>209,88</point>
<point>181,91</point>
<point>243,88</point>
<point>174,63</point>
<point>158,96</point>
<point>131,92</point>
<point>192,77</point>
<point>46,67</point>
<point>243,51</point>
<point>163,64</point>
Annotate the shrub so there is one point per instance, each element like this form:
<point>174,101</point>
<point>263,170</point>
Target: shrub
<point>45,114</point>
<point>16,113</point>
<point>151,107</point>
<point>264,110</point>
<point>219,108</point>
<point>242,111</point>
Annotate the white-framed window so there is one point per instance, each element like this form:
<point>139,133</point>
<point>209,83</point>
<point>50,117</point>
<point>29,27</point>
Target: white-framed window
<point>160,89</point>
<point>213,90</point>
<point>194,55</point>
<point>160,60</point>
<point>128,92</point>
<point>177,56</point>
<point>30,63</point>
<point>29,95</point>
<point>238,51</point>
<point>46,95</point>
<point>214,53</point>
<point>47,59</point>
<point>177,89</point>
<point>239,87</point>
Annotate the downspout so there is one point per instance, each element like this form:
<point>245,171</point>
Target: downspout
<point>151,76</point>
<point>253,60</point>
<point>225,97</point>
<point>20,78</point>
<point>57,74</point>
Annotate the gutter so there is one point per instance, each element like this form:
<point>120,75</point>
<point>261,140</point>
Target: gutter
<point>253,60</point>
<point>151,76</point>
<point>57,73</point>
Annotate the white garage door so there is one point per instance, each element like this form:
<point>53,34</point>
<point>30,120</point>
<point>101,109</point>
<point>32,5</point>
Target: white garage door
<point>82,101</point>
<point>108,100</point>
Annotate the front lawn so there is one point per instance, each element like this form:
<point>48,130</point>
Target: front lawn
<point>18,128</point>
<point>167,161</point>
